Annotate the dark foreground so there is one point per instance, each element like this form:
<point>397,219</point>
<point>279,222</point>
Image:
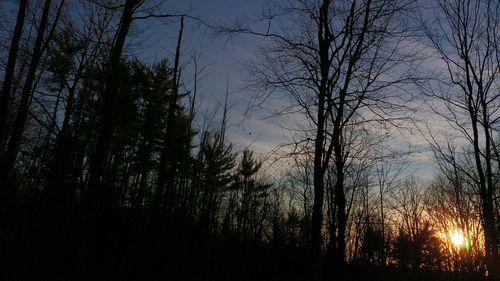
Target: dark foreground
<point>79,245</point>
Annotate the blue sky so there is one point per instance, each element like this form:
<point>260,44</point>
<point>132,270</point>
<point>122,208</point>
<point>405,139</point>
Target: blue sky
<point>225,60</point>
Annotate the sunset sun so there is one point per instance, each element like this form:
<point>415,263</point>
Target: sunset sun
<point>457,238</point>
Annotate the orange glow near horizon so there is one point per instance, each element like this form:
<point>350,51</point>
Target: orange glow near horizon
<point>461,244</point>
<point>456,239</point>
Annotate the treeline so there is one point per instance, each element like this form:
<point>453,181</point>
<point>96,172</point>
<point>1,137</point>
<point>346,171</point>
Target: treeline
<point>109,171</point>
<point>112,178</point>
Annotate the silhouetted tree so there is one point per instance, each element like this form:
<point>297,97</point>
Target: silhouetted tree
<point>10,155</point>
<point>96,195</point>
<point>466,40</point>
<point>419,250</point>
<point>330,66</point>
<point>5,94</point>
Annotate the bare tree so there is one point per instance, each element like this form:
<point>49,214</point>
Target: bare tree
<point>11,65</point>
<point>19,124</point>
<point>95,193</point>
<point>336,61</point>
<point>452,209</point>
<point>167,176</point>
<point>81,48</point>
<point>465,35</point>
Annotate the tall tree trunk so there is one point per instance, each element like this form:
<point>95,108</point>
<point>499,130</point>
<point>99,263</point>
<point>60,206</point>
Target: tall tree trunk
<point>332,219</point>
<point>491,238</point>
<point>340,200</point>
<point>95,195</point>
<point>338,144</point>
<point>319,169</point>
<point>60,164</point>
<point>22,111</point>
<point>9,71</point>
<point>166,175</point>
<point>98,198</point>
<point>341,217</point>
<point>56,190</point>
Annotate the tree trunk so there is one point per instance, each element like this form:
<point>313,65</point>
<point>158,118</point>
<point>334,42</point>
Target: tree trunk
<point>491,239</point>
<point>166,176</point>
<point>340,200</point>
<point>56,189</point>
<point>22,111</point>
<point>319,169</point>
<point>95,195</point>
<point>9,70</point>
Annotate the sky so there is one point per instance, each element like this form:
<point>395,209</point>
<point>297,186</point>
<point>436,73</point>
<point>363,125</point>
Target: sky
<point>225,62</point>
<point>222,59</point>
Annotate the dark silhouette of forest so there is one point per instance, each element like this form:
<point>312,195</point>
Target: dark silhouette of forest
<point>111,170</point>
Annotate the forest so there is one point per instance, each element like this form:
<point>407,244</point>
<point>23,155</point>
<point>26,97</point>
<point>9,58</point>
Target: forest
<point>115,165</point>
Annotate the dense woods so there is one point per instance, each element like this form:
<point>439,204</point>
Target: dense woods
<point>112,168</point>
